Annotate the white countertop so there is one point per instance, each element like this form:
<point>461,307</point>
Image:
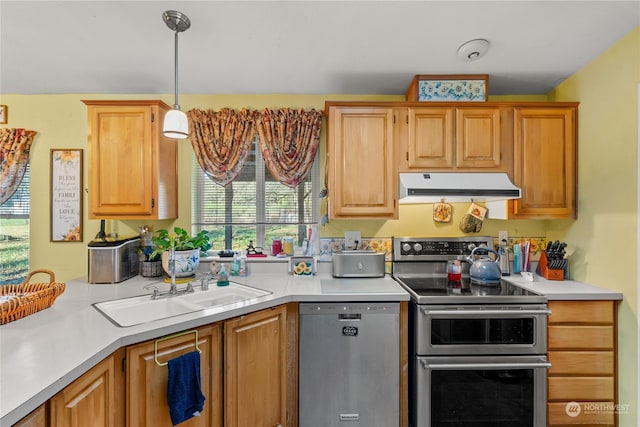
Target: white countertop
<point>44,352</point>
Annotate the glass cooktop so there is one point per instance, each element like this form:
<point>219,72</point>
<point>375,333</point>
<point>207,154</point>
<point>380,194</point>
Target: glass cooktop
<point>435,290</point>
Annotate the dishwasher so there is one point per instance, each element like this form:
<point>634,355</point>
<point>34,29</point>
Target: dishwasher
<point>349,368</point>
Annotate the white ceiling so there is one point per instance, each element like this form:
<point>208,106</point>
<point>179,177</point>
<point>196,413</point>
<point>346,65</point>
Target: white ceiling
<point>310,47</point>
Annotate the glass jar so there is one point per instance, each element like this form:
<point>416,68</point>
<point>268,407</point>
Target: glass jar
<point>276,246</point>
<point>287,245</point>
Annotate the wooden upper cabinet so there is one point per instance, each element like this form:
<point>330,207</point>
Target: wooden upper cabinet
<point>133,170</point>
<point>362,178</point>
<point>455,139</point>
<point>545,146</point>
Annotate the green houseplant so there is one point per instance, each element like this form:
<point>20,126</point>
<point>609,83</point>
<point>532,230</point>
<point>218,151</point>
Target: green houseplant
<point>187,249</point>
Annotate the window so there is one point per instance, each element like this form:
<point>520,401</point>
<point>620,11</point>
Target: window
<point>255,207</point>
<point>14,234</point>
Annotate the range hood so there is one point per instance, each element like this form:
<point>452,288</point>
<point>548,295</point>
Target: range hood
<point>456,187</point>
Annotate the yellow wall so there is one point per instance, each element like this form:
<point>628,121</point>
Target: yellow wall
<point>605,235</point>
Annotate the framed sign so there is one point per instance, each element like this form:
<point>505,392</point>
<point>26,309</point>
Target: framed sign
<point>449,88</point>
<point>66,195</point>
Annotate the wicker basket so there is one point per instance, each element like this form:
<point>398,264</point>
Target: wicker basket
<point>28,298</point>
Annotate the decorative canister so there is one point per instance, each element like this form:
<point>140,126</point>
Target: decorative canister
<point>276,246</point>
<point>151,268</point>
<point>287,245</point>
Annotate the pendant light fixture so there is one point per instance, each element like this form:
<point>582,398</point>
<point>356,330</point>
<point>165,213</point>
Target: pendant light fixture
<point>176,124</point>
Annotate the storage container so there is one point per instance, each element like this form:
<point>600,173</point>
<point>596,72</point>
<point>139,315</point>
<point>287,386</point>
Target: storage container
<point>113,261</point>
<point>358,264</point>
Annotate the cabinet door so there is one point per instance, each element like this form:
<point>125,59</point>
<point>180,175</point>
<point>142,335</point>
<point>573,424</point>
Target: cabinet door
<point>431,138</point>
<point>478,138</point>
<point>362,177</point>
<point>545,162</point>
<point>37,418</point>
<point>132,168</point>
<point>93,400</point>
<point>255,373</point>
<point>147,381</point>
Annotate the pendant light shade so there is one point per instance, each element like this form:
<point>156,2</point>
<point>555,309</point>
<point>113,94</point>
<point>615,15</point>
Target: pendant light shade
<point>175,123</point>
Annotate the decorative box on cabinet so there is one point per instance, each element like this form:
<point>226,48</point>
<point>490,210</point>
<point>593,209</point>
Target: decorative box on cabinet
<point>362,178</point>
<point>582,350</point>
<point>147,381</point>
<point>133,170</point>
<point>545,166</point>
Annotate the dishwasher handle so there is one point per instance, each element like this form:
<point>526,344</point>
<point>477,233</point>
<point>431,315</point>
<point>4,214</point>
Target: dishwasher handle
<point>349,316</point>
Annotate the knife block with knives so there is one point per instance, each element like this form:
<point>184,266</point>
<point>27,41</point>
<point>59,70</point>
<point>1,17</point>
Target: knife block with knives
<point>552,264</point>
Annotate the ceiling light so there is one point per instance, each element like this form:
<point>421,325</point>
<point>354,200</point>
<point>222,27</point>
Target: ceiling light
<point>473,50</point>
<point>176,124</point>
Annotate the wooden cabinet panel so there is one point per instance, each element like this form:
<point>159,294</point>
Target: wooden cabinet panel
<point>431,138</point>
<point>132,167</point>
<point>37,418</point>
<point>256,369</point>
<point>589,312</point>
<point>478,138</point>
<point>94,399</point>
<point>581,388</point>
<point>558,415</point>
<point>581,337</point>
<point>147,381</point>
<point>545,146</point>
<point>581,363</point>
<point>361,171</point>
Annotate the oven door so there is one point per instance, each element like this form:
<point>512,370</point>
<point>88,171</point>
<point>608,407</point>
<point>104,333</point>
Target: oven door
<point>480,329</point>
<point>487,391</point>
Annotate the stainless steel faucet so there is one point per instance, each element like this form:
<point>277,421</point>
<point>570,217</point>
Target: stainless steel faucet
<point>172,266</point>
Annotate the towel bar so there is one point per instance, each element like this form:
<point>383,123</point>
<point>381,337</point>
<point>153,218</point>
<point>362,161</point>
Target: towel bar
<point>179,334</point>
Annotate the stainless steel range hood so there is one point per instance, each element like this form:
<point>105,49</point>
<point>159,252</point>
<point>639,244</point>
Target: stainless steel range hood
<point>456,187</point>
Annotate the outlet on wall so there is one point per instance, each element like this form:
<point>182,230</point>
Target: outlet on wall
<point>503,237</point>
<point>352,239</point>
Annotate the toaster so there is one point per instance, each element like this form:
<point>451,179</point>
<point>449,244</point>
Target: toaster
<point>358,264</point>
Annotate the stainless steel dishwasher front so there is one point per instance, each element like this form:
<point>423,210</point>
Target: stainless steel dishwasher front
<point>349,369</point>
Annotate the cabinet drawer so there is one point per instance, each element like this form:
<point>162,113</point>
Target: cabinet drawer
<point>587,416</point>
<point>591,363</point>
<point>581,388</point>
<point>581,337</point>
<point>589,312</point>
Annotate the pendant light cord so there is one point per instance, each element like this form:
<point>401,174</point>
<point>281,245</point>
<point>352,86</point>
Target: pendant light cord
<point>175,62</point>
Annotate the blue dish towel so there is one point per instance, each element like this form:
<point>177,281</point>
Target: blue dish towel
<point>184,397</point>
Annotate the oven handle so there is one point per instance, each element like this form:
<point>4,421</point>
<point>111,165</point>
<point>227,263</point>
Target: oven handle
<point>507,365</point>
<point>426,311</point>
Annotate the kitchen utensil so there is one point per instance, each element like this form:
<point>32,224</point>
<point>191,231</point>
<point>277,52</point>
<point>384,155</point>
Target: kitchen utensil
<point>483,270</point>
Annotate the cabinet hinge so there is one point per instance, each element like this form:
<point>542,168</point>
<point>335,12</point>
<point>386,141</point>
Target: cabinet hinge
<point>124,364</point>
<point>153,203</point>
<point>406,119</point>
<point>153,117</point>
<point>407,155</point>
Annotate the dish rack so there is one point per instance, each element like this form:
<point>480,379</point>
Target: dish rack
<point>18,301</point>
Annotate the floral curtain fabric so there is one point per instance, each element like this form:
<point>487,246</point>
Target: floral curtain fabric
<point>14,158</point>
<point>221,141</point>
<point>289,142</point>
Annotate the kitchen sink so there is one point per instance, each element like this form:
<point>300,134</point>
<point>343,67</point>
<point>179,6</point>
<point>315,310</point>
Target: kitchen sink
<point>141,309</point>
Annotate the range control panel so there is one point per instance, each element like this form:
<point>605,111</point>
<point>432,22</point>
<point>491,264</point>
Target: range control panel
<point>416,248</point>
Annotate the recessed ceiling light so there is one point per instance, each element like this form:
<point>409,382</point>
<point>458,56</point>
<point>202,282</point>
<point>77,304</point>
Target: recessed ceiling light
<point>473,50</point>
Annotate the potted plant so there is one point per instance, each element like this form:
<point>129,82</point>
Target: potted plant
<point>186,250</point>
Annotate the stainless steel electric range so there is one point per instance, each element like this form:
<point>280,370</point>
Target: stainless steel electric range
<point>477,351</point>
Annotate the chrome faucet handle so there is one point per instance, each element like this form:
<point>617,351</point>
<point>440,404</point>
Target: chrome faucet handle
<point>155,290</point>
<point>204,281</point>
<point>189,287</point>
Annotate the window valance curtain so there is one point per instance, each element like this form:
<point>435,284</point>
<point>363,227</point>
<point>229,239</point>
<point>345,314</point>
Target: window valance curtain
<point>14,158</point>
<point>289,142</point>
<point>221,141</point>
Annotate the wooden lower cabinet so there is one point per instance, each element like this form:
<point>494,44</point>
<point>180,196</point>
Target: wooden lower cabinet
<point>37,418</point>
<point>147,380</point>
<point>260,370</point>
<point>96,399</point>
<point>582,348</point>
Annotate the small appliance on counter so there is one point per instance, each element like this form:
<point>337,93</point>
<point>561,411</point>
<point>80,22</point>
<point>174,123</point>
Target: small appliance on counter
<point>358,264</point>
<point>113,260</point>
